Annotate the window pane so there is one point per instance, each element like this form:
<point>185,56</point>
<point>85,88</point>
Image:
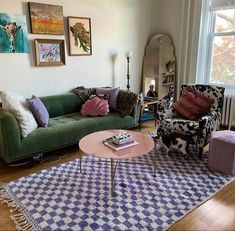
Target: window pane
<point>223,60</point>
<point>225,21</point>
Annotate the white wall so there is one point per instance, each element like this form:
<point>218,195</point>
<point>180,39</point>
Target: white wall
<point>117,26</point>
<point>180,19</point>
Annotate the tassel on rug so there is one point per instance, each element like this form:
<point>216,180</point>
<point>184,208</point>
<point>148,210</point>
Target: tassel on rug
<point>18,212</point>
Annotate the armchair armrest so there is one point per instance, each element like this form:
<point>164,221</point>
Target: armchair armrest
<point>209,120</point>
<point>166,114</point>
<point>207,124</point>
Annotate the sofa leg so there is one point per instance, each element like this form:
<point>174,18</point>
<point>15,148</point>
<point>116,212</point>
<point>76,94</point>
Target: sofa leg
<point>200,153</point>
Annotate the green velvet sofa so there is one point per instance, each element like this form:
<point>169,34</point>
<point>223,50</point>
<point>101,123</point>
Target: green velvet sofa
<point>66,127</point>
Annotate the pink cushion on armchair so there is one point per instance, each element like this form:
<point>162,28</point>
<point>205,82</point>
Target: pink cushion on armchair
<point>192,104</point>
<point>95,107</point>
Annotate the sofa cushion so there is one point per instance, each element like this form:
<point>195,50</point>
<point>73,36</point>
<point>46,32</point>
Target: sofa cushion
<point>39,111</point>
<point>111,94</point>
<point>18,106</point>
<point>95,107</point>
<point>68,129</point>
<point>63,104</point>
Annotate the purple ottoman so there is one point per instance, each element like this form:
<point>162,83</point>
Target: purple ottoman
<point>221,155</point>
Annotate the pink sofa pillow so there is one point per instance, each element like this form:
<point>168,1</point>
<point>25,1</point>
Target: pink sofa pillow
<point>95,107</point>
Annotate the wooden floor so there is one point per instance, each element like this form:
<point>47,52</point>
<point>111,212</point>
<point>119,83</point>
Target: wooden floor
<point>218,213</point>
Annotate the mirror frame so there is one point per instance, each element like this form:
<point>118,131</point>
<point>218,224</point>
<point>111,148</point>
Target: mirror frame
<point>157,73</point>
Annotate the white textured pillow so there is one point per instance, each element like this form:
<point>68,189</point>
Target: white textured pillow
<point>18,106</point>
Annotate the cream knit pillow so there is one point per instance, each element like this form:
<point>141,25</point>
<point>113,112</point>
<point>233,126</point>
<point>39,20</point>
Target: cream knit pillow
<point>18,106</point>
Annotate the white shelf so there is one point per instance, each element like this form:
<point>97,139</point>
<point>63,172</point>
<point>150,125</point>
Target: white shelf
<point>170,74</point>
<point>167,84</point>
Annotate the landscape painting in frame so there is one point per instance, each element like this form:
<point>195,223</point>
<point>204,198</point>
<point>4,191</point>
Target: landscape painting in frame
<point>13,33</point>
<point>46,19</point>
<point>79,36</point>
<point>49,52</point>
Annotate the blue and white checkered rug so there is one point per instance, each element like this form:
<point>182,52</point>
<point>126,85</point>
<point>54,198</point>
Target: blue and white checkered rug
<point>60,198</point>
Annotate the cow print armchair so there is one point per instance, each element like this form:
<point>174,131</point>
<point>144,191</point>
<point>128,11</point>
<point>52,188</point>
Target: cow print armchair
<point>198,131</point>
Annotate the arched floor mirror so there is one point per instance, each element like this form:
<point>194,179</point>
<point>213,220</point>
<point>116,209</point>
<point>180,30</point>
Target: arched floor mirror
<point>159,68</point>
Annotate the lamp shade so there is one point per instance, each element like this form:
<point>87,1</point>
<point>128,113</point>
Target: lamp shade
<point>129,54</point>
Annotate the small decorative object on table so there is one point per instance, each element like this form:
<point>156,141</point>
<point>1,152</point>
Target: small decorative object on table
<point>122,138</point>
<point>120,141</point>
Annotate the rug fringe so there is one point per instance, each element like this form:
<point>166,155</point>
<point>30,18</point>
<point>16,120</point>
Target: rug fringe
<point>17,211</point>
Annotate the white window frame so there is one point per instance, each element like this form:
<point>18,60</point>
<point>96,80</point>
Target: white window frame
<point>208,18</point>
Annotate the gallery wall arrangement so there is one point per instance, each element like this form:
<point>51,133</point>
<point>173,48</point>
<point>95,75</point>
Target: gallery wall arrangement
<point>45,19</point>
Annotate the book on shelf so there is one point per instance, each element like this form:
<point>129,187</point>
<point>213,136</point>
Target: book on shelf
<point>116,147</point>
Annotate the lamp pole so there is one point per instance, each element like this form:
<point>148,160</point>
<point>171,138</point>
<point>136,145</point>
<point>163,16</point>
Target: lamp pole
<point>128,56</point>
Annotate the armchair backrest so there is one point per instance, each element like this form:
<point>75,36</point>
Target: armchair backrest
<point>211,91</point>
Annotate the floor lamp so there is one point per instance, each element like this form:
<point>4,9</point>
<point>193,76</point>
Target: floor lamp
<point>128,56</point>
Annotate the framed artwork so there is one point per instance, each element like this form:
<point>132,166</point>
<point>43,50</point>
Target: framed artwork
<point>49,52</point>
<point>13,34</point>
<point>46,19</point>
<point>79,36</point>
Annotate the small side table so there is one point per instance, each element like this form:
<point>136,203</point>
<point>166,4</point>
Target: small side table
<point>145,104</point>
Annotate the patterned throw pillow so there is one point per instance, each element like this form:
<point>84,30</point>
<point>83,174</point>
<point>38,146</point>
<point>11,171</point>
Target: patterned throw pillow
<point>126,101</point>
<point>39,111</point>
<point>111,94</point>
<point>192,104</point>
<point>18,106</point>
<point>84,93</point>
<point>95,107</point>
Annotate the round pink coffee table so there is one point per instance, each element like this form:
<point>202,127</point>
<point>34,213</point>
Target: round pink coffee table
<point>92,145</point>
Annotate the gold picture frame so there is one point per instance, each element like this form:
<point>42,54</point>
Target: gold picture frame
<point>79,29</point>
<point>49,52</point>
<point>46,19</point>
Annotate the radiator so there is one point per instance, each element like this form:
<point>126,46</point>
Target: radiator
<point>228,110</point>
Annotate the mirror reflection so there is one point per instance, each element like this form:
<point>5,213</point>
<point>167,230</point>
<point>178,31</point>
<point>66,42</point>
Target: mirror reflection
<point>159,68</point>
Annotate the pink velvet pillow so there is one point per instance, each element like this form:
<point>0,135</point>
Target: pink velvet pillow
<point>192,104</point>
<point>95,107</point>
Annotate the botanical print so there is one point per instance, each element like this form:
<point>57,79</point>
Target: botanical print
<point>46,19</point>
<point>80,33</point>
<point>79,36</point>
<point>49,52</point>
<point>13,34</point>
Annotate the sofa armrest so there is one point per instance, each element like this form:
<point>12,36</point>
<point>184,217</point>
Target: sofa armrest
<point>136,112</point>
<point>10,135</point>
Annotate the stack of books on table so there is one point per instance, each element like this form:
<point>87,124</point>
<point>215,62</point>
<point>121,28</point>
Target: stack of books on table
<point>120,141</point>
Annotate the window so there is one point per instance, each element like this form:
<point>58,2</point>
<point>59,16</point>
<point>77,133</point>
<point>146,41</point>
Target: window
<point>216,59</point>
<point>222,48</point>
